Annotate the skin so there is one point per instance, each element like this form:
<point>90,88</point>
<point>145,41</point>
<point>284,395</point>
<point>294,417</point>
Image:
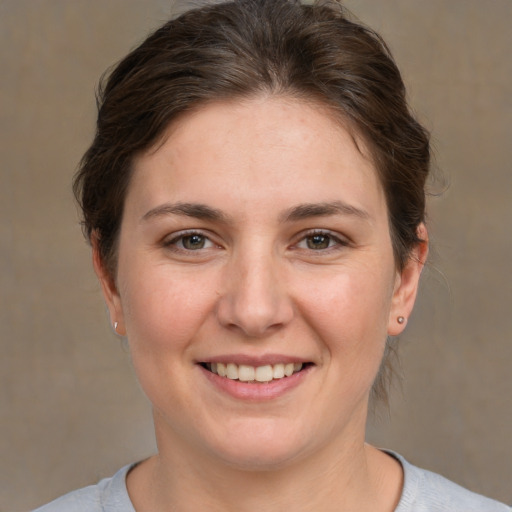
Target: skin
<point>255,282</point>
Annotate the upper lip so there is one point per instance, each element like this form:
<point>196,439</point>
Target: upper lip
<point>250,360</point>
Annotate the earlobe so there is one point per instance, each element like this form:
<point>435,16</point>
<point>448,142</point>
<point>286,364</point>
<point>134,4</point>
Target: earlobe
<point>406,286</point>
<point>109,289</point>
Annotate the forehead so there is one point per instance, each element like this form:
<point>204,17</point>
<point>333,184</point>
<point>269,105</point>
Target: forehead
<point>267,112</point>
<point>267,146</point>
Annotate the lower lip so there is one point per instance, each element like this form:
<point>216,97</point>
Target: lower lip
<point>256,392</point>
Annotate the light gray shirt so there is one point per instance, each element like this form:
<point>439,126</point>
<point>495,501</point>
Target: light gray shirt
<point>423,491</point>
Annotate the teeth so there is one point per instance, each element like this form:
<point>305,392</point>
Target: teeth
<point>246,373</point>
<point>278,371</point>
<point>264,373</point>
<point>232,371</point>
<point>221,369</point>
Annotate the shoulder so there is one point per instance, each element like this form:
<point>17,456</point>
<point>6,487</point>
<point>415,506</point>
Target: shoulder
<point>109,495</point>
<point>425,491</point>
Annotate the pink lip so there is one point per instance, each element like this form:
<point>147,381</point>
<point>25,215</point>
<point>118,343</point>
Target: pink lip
<point>255,361</point>
<point>255,392</point>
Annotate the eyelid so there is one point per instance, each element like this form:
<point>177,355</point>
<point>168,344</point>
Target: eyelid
<point>341,240</point>
<point>170,240</point>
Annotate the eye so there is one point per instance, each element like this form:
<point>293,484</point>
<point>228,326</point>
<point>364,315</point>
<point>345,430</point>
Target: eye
<point>320,240</point>
<point>194,242</point>
<point>191,241</point>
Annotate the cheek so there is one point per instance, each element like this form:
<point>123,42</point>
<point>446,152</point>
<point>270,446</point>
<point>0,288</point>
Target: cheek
<point>164,309</point>
<point>349,315</point>
<point>163,314</point>
<point>349,306</point>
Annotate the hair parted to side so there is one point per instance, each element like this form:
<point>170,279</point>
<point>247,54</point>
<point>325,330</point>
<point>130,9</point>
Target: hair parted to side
<point>244,48</point>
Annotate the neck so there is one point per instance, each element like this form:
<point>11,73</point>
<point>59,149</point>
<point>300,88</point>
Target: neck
<point>348,476</point>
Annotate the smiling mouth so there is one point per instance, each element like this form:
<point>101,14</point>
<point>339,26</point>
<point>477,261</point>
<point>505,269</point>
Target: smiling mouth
<point>255,374</point>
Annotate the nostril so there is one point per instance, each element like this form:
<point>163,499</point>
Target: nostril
<point>253,300</point>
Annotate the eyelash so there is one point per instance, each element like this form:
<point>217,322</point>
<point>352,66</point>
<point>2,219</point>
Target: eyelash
<point>180,237</point>
<point>334,242</point>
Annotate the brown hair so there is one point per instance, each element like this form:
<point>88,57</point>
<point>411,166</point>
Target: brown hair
<point>240,49</point>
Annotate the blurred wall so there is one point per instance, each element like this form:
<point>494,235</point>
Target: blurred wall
<point>71,411</point>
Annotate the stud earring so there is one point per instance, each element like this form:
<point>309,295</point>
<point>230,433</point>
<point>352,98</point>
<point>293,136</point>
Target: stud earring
<point>115,326</point>
<point>400,319</point>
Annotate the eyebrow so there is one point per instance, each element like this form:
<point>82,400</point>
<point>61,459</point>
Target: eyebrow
<point>309,210</point>
<point>294,214</point>
<point>196,210</point>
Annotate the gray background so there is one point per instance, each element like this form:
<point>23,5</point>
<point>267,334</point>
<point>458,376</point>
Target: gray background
<point>71,411</point>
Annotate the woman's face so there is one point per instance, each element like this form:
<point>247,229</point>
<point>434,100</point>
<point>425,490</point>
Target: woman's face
<point>256,238</point>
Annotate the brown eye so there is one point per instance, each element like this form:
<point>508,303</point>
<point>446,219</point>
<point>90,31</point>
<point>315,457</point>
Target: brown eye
<point>318,241</point>
<point>193,242</point>
<point>186,242</point>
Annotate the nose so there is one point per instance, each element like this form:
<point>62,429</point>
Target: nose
<point>255,298</point>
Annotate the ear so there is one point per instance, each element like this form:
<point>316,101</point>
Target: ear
<point>406,285</point>
<point>109,289</point>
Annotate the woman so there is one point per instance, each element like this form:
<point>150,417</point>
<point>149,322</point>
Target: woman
<point>254,198</point>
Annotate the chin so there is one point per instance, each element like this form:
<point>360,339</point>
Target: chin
<point>259,460</point>
<point>260,447</point>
